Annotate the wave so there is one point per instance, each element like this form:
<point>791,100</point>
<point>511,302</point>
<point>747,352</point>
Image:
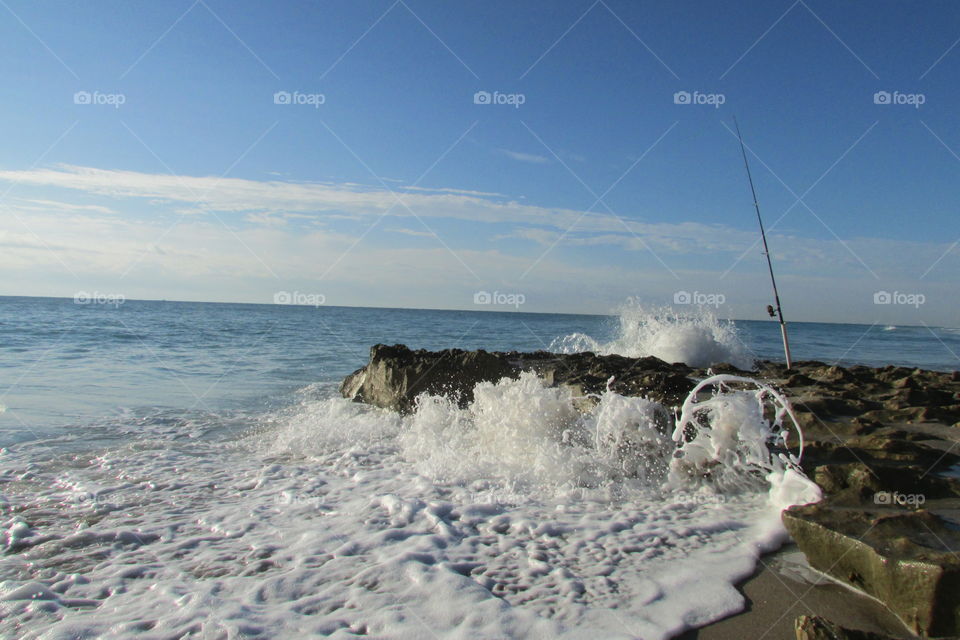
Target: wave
<point>730,436</point>
<point>697,339</point>
<point>516,516</point>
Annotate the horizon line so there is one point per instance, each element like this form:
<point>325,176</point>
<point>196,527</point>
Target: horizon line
<point>548,313</point>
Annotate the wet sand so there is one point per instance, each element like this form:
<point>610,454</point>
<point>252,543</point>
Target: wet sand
<point>783,589</point>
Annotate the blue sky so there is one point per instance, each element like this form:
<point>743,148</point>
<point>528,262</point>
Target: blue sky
<point>144,153</point>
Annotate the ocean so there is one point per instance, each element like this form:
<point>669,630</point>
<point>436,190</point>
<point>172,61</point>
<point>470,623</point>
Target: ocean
<point>174,469</point>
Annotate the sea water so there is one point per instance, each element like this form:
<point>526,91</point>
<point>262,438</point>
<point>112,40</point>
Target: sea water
<point>188,470</point>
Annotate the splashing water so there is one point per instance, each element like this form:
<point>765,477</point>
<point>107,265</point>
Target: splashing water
<point>530,435</point>
<point>728,439</point>
<point>697,339</point>
<point>522,431</point>
<point>516,517</point>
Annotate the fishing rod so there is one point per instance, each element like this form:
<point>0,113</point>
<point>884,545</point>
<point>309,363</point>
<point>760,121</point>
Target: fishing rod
<point>766,251</point>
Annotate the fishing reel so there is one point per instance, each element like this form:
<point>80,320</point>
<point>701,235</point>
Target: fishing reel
<point>771,311</point>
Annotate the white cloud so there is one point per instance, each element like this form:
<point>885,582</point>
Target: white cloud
<point>200,195</point>
<point>525,157</point>
<point>252,248</point>
<point>413,232</point>
<point>53,205</point>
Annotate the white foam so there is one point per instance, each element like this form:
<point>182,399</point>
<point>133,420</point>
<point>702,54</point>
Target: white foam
<point>696,338</point>
<point>514,518</point>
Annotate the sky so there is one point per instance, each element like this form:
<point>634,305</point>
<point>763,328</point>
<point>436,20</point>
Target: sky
<point>485,155</point>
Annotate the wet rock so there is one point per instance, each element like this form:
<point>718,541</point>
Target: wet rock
<point>858,483</point>
<point>907,382</point>
<point>396,375</point>
<point>907,559</point>
<point>818,628</point>
<point>800,380</point>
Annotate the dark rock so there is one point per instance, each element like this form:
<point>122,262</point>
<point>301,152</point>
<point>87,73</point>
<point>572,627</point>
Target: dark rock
<point>859,483</point>
<point>726,367</point>
<point>800,380</point>
<point>817,628</point>
<point>906,559</point>
<point>396,375</point>
<point>907,382</point>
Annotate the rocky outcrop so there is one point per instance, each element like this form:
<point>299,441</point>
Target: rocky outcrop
<point>906,559</point>
<point>396,375</point>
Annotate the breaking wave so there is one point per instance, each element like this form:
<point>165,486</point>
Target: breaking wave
<point>697,339</point>
<point>529,513</point>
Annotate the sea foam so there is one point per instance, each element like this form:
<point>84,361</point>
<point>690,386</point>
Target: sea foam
<point>515,517</point>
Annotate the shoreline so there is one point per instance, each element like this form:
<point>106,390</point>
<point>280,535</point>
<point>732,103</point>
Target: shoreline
<point>785,587</point>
